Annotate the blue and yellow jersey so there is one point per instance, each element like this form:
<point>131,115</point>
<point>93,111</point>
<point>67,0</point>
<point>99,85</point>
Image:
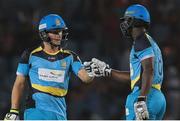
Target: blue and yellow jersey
<point>49,76</point>
<point>143,48</point>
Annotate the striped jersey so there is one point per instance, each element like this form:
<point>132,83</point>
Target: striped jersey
<point>49,76</point>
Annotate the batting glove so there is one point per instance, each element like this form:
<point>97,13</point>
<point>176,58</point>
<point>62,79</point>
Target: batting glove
<point>92,69</point>
<point>140,109</point>
<point>105,70</point>
<point>12,115</point>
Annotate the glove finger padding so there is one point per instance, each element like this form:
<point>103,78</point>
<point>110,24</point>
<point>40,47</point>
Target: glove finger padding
<point>104,68</point>
<point>87,63</point>
<point>97,71</point>
<point>98,62</point>
<point>141,112</point>
<point>87,67</point>
<point>11,116</point>
<point>92,69</point>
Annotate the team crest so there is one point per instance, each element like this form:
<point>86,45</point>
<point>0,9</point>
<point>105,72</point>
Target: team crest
<point>63,64</point>
<point>58,22</point>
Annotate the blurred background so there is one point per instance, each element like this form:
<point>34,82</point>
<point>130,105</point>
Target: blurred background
<point>93,32</point>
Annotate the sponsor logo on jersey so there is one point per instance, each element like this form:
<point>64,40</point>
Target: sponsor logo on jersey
<point>51,75</point>
<point>51,58</point>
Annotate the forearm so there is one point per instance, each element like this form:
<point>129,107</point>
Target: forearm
<point>17,93</point>
<point>83,75</point>
<point>87,79</point>
<point>123,76</point>
<point>147,77</point>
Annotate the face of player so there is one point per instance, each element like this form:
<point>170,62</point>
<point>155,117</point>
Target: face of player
<point>55,36</point>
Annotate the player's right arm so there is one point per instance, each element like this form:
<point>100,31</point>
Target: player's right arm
<point>106,71</point>
<point>123,76</point>
<point>16,95</point>
<point>17,91</point>
<point>18,87</point>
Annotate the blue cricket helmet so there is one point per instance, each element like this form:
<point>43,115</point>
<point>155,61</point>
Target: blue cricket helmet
<point>138,12</point>
<point>50,22</point>
<point>135,16</point>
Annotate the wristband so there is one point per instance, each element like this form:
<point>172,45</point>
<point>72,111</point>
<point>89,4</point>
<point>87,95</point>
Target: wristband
<point>16,111</point>
<point>142,98</point>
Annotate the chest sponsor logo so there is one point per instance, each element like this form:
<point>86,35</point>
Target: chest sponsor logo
<point>51,75</point>
<point>51,58</point>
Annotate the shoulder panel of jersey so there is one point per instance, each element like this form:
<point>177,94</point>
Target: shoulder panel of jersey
<point>26,54</point>
<point>76,63</point>
<point>141,43</point>
<point>24,65</point>
<point>36,50</point>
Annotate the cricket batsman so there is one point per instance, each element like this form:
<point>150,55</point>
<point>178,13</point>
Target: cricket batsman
<point>46,69</point>
<point>146,100</point>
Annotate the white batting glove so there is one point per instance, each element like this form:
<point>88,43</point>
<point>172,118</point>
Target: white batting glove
<point>105,70</point>
<point>140,109</point>
<point>12,115</point>
<point>92,69</point>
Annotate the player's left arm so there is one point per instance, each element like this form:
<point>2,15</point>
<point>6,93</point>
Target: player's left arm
<point>144,52</point>
<point>78,69</point>
<point>140,106</point>
<point>147,75</point>
<point>83,75</point>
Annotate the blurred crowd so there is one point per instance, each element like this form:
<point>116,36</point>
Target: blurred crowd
<point>93,32</point>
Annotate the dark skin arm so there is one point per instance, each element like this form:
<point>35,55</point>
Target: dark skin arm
<point>147,76</point>
<point>122,76</point>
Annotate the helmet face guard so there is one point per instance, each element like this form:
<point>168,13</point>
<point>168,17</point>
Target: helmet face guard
<point>126,25</point>
<point>44,36</point>
<point>53,23</point>
<point>135,16</point>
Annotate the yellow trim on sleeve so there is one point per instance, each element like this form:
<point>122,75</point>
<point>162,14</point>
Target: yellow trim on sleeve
<point>52,90</point>
<point>133,82</point>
